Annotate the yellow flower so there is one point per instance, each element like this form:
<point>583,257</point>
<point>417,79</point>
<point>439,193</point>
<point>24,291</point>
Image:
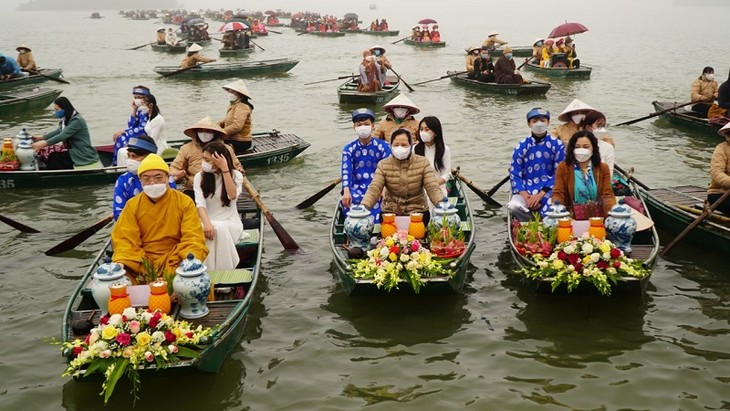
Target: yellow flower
<point>389,242</point>
<point>410,238</point>
<point>393,257</point>
<point>109,332</point>
<point>605,247</point>
<point>143,339</point>
<point>422,258</point>
<point>586,259</point>
<point>558,264</point>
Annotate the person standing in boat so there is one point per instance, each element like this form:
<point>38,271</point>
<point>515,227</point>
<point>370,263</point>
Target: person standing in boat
<point>383,62</point>
<point>73,133</point>
<point>9,67</point>
<point>472,54</point>
<point>532,170</point>
<point>25,59</point>
<point>704,91</point>
<point>436,152</point>
<point>160,225</point>
<point>492,41</point>
<point>237,122</point>
<point>360,159</point>
<point>217,186</point>
<point>399,113</point>
<point>193,57</point>
<point>135,125</point>
<point>720,172</point>
<point>484,68</point>
<point>369,73</point>
<point>505,70</point>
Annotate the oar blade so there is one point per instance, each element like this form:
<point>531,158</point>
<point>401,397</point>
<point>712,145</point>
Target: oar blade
<point>318,195</point>
<point>284,238</point>
<point>72,242</point>
<point>487,199</point>
<point>18,226</point>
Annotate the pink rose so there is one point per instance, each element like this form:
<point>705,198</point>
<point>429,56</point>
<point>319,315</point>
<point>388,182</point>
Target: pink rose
<point>134,326</point>
<point>148,356</point>
<point>415,246</point>
<point>173,348</point>
<point>124,339</point>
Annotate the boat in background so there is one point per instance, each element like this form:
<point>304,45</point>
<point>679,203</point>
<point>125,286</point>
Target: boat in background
<point>230,70</point>
<point>685,117</point>
<point>19,101</point>
<point>583,72</point>
<point>348,93</point>
<point>425,44</point>
<point>23,80</point>
<point>179,48</point>
<point>236,52</point>
<point>532,88</point>
<point>381,33</point>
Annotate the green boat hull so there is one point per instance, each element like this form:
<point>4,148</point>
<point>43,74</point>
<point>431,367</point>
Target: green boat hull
<point>229,70</point>
<point>517,51</point>
<point>59,178</point>
<point>30,79</point>
<point>26,100</point>
<point>583,72</point>
<point>166,48</point>
<point>533,88</point>
<point>381,33</point>
<point>236,52</point>
<point>327,34</point>
<point>348,94</point>
<point>425,44</point>
<point>687,121</point>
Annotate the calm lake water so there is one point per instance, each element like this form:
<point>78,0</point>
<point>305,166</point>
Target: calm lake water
<point>309,346</point>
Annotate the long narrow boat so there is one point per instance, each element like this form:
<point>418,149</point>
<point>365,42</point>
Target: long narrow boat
<point>269,148</point>
<point>236,52</point>
<point>644,246</point>
<point>13,102</point>
<point>30,79</point>
<point>575,73</point>
<point>326,33</point>
<point>348,94</point>
<point>674,208</point>
<point>179,48</point>
<point>532,88</point>
<point>382,33</point>
<point>517,51</point>
<point>433,285</point>
<point>684,117</point>
<point>425,44</point>
<point>230,70</point>
<point>234,290</point>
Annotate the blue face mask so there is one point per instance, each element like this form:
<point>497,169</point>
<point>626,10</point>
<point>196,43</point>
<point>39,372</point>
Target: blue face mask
<point>377,52</point>
<point>485,56</point>
<point>60,113</point>
<point>509,56</point>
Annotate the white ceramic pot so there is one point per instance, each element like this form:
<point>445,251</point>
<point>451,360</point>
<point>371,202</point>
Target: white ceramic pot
<point>107,274</point>
<point>359,226</point>
<point>192,286</point>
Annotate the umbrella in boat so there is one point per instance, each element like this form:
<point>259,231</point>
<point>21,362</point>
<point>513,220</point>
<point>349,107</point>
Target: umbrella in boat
<point>194,21</point>
<point>427,21</point>
<point>270,13</point>
<point>566,29</point>
<point>233,26</point>
<point>350,16</point>
<point>187,19</point>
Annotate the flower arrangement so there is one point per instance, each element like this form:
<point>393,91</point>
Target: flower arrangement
<point>534,237</point>
<point>136,338</point>
<point>8,159</point>
<point>399,257</point>
<point>598,262</point>
<point>447,240</point>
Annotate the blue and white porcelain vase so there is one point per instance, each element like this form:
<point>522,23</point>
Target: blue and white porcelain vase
<point>620,227</point>
<point>445,212</point>
<point>555,212</point>
<point>107,274</point>
<point>192,287</point>
<point>359,226</point>
<point>24,151</point>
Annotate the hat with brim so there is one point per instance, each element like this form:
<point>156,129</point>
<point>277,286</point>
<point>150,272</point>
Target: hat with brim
<point>205,124</point>
<point>136,143</point>
<point>724,131</point>
<point>239,87</point>
<point>575,106</point>
<point>161,30</point>
<point>473,48</point>
<point>22,46</point>
<point>559,42</point>
<point>401,101</point>
<point>549,42</point>
<point>538,112</point>
<point>535,43</point>
<point>506,50</point>
<point>376,47</point>
<point>494,33</point>
<point>153,162</point>
<point>195,47</point>
<point>363,113</point>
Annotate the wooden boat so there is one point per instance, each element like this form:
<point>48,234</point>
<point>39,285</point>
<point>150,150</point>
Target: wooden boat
<point>425,44</point>
<point>30,79</point>
<point>674,208</point>
<point>348,94</point>
<point>326,33</point>
<point>685,117</point>
<point>382,33</point>
<point>517,51</point>
<point>582,72</point>
<point>229,70</point>
<point>433,285</point>
<point>645,247</point>
<point>179,48</point>
<point>234,290</point>
<point>236,52</point>
<point>269,148</point>
<point>531,88</point>
<point>13,102</point>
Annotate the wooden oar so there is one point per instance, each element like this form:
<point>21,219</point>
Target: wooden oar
<point>316,196</point>
<point>274,31</point>
<point>22,227</point>
<point>625,123</point>
<point>695,223</point>
<point>631,177</point>
<point>303,33</point>
<point>255,44</point>
<point>284,237</point>
<point>496,187</point>
<point>185,69</point>
<point>332,79</point>
<point>139,47</point>
<point>716,217</point>
<point>484,196</point>
<point>60,80</point>
<point>523,64</point>
<point>80,237</point>
<point>440,78</point>
<point>398,41</point>
<point>401,79</point>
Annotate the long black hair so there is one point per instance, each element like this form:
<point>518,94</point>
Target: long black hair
<point>207,182</point>
<point>67,107</point>
<point>434,124</point>
<point>706,70</point>
<point>570,156</point>
<point>590,118</point>
<point>155,110</point>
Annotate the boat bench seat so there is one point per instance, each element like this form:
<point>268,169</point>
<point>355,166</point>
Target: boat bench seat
<point>235,276</point>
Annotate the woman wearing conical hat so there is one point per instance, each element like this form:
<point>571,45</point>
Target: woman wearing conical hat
<point>194,58</point>
<point>399,114</point>
<point>25,58</point>
<point>237,122</point>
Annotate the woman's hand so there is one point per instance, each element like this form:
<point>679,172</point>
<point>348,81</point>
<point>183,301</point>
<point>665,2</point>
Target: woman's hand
<point>220,162</point>
<point>37,138</point>
<point>209,231</point>
<point>39,145</point>
<point>346,198</point>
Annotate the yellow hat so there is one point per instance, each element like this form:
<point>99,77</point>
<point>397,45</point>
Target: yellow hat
<point>153,162</point>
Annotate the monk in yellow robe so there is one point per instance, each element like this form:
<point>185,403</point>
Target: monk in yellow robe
<point>160,224</point>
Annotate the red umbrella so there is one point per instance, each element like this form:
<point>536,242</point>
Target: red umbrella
<point>427,21</point>
<point>566,29</point>
<point>233,26</point>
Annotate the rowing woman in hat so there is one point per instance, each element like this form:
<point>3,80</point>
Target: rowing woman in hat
<point>25,58</point>
<point>194,58</point>
<point>492,41</point>
<point>383,62</point>
<point>161,36</point>
<point>237,122</point>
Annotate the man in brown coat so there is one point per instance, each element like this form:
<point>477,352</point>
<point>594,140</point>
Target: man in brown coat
<point>505,70</point>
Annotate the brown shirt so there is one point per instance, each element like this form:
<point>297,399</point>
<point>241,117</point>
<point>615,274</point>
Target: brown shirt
<point>189,159</point>
<point>237,122</point>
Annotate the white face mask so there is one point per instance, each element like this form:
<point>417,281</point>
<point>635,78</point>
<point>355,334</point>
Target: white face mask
<point>205,136</point>
<point>206,167</point>
<point>21,51</point>
<point>599,132</point>
<point>155,191</point>
<point>400,112</point>
<point>539,128</point>
<point>232,96</point>
<point>401,153</point>
<point>132,166</point>
<point>363,132</point>
<point>582,154</point>
<point>577,118</point>
<point>143,109</point>
<point>138,102</point>
<point>426,136</point>
<point>710,76</point>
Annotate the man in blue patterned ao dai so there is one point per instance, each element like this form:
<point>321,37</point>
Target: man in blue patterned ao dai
<point>360,159</point>
<point>532,171</point>
<point>135,124</point>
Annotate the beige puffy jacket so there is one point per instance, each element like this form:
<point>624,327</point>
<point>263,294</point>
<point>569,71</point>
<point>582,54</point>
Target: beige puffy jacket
<point>720,169</point>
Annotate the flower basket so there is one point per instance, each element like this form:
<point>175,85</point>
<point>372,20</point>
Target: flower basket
<point>445,240</point>
<point>10,165</point>
<point>534,237</point>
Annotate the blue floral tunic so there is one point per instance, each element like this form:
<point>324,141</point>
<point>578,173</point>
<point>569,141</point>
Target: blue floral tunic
<point>126,187</point>
<point>533,166</point>
<point>135,128</point>
<point>358,167</point>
